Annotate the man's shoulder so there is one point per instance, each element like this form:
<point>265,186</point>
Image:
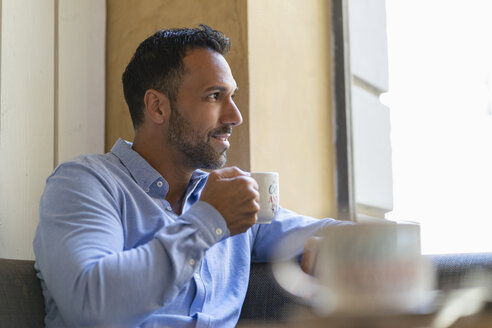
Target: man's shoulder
<point>87,174</point>
<point>98,164</point>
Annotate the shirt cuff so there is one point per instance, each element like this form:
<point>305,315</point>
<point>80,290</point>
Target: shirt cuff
<point>210,222</point>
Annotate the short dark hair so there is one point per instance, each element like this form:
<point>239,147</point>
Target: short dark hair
<point>158,63</point>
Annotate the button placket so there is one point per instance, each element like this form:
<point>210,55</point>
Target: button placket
<point>199,300</point>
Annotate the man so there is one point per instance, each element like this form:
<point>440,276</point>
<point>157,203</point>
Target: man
<point>141,237</point>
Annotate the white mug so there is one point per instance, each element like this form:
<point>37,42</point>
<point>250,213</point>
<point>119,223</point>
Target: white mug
<point>364,269</point>
<point>269,195</point>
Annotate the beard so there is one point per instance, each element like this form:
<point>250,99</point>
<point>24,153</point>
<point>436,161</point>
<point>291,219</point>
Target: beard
<point>195,147</point>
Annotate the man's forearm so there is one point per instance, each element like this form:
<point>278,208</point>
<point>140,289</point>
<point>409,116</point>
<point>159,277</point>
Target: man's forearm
<point>95,281</point>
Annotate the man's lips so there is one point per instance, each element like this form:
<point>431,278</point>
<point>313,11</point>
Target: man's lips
<point>222,137</point>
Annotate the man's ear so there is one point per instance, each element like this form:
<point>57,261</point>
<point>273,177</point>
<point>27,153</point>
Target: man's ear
<point>157,106</point>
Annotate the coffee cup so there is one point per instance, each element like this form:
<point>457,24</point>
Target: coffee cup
<point>365,269</point>
<point>268,188</point>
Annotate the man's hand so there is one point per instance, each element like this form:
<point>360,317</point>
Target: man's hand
<point>310,254</point>
<point>235,195</point>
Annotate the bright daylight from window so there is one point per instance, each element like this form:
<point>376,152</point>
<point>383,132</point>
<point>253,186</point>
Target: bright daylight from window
<point>440,99</point>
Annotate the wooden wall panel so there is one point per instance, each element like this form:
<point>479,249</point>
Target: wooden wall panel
<point>81,73</point>
<point>291,101</point>
<point>27,119</point>
<point>52,103</point>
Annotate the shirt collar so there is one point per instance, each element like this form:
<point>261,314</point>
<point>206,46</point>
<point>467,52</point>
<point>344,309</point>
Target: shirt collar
<point>142,172</point>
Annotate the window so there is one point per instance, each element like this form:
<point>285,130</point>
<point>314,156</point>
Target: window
<point>440,95</point>
<point>420,122</point>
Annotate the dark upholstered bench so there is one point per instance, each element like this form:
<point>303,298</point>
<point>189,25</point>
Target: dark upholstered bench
<point>21,299</point>
<point>22,303</point>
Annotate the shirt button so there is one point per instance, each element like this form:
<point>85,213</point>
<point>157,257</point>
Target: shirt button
<point>197,276</point>
<point>169,208</point>
<point>159,184</point>
<point>191,262</point>
<point>218,231</point>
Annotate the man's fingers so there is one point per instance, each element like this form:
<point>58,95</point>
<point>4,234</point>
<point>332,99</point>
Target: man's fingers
<point>234,193</point>
<point>229,172</point>
<point>310,254</point>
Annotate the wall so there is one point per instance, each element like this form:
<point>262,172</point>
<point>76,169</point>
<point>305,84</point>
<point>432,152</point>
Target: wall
<point>280,58</point>
<point>81,44</point>
<point>290,109</point>
<point>26,121</point>
<point>52,103</point>
<point>52,99</point>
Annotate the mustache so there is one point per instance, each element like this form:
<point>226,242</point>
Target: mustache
<point>225,129</point>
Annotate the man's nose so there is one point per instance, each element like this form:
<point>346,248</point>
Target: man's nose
<point>231,114</point>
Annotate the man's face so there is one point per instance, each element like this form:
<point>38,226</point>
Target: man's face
<point>202,117</point>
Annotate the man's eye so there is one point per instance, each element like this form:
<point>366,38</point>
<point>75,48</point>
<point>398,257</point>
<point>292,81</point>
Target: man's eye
<point>214,96</point>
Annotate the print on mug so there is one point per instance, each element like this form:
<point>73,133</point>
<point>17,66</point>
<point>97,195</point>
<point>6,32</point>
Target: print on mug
<point>268,188</point>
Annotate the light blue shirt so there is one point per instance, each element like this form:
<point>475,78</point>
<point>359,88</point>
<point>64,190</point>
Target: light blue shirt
<point>110,252</point>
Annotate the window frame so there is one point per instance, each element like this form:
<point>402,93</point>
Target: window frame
<point>342,112</point>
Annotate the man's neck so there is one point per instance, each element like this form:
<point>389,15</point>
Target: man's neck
<point>164,160</point>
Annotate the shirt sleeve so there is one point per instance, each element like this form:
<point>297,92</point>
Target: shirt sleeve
<point>285,236</point>
<point>93,279</point>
